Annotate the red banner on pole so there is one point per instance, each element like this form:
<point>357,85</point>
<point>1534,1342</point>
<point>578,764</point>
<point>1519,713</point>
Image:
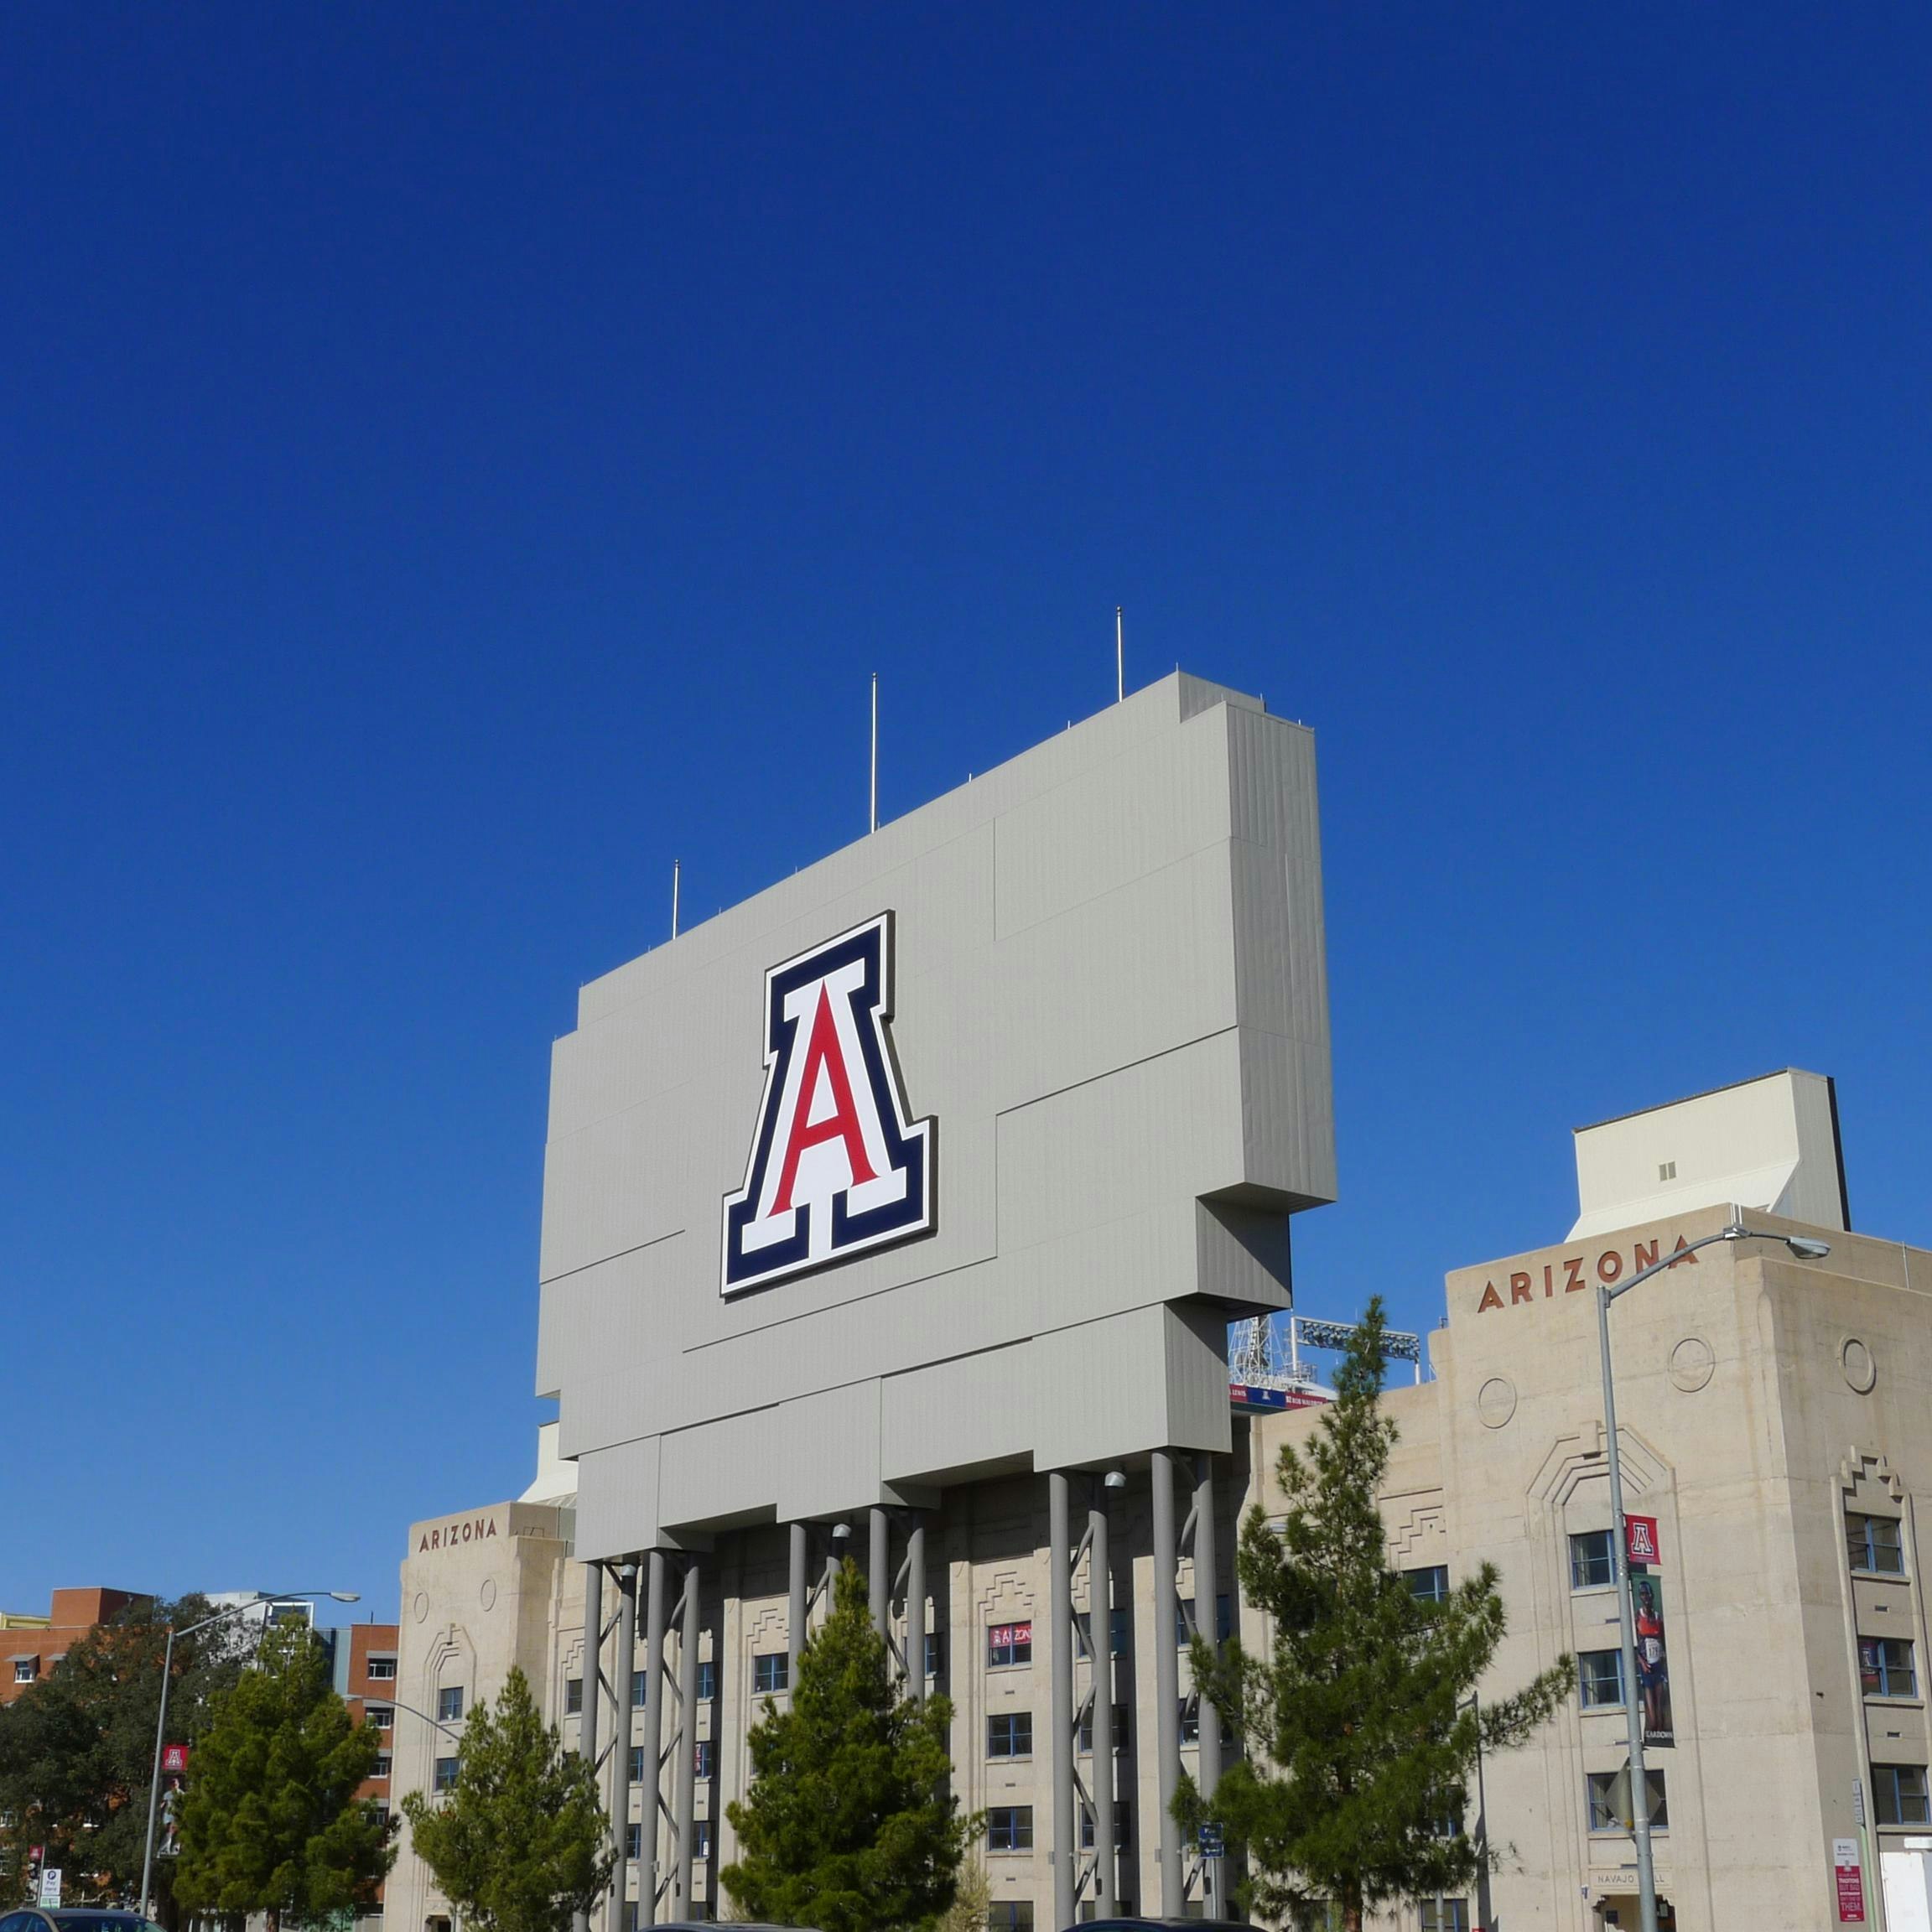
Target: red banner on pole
<point>1640,1539</point>
<point>1851,1881</point>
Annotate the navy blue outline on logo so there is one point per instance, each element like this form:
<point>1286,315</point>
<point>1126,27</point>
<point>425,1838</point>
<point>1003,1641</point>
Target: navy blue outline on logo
<point>911,1146</point>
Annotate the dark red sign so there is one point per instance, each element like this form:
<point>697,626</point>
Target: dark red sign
<point>1640,1539</point>
<point>174,1758</point>
<point>1851,1882</point>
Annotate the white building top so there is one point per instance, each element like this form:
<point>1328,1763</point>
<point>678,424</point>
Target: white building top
<point>1770,1144</point>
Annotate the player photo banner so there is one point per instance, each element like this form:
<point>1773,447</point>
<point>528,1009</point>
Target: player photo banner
<point>1653,1660</point>
<point>837,1168</point>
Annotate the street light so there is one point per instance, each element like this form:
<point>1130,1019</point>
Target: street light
<point>264,1601</point>
<point>1806,1249</point>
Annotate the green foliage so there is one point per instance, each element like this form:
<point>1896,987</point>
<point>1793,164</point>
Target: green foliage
<point>77,1750</point>
<point>1358,1731</point>
<point>850,1823</point>
<point>520,1843</point>
<point>271,1822</point>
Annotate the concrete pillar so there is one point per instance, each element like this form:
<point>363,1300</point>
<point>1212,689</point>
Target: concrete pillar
<point>1066,1842</point>
<point>801,1555</point>
<point>879,1567</point>
<point>653,1735</point>
<point>620,1673</point>
<point>1166,1681</point>
<point>1208,1616</point>
<point>915,1608</point>
<point>593,1670</point>
<point>1100,1642</point>
<point>685,1777</point>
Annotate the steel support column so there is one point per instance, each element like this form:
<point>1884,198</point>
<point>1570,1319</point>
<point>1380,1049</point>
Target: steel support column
<point>800,1555</point>
<point>593,1673</point>
<point>1066,1845</point>
<point>685,1776</point>
<point>1207,1622</point>
<point>1100,1648</point>
<point>622,1667</point>
<point>879,1567</point>
<point>916,1609</point>
<point>653,1735</point>
<point>1166,1681</point>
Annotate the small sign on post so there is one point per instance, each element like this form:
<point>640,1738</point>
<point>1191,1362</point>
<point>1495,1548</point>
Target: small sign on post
<point>174,1759</point>
<point>1213,1844</point>
<point>1848,1879</point>
<point>50,1888</point>
<point>1640,1540</point>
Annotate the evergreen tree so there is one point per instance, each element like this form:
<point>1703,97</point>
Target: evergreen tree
<point>77,1749</point>
<point>271,1822</point>
<point>522,1843</point>
<point>1359,1730</point>
<point>850,1823</point>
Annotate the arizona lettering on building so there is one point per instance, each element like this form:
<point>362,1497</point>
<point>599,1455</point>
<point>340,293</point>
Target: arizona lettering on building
<point>837,1168</point>
<point>1574,1273</point>
<point>466,1529</point>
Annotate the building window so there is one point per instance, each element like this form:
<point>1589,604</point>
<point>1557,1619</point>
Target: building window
<point>1086,1732</point>
<point>1116,1630</point>
<point>1600,1679</point>
<point>445,1773</point>
<point>935,1654</point>
<point>640,1686</point>
<point>1885,1667</point>
<point>700,1837</point>
<point>1429,1585</point>
<point>1592,1566</point>
<point>449,1704</point>
<point>574,1697</point>
<point>1123,1830</point>
<point>382,1763</point>
<point>382,1814</point>
<point>380,1716</point>
<point>1191,1720</point>
<point>1010,1828</point>
<point>1899,1793</point>
<point>1445,1916</point>
<point>706,1757</point>
<point>1009,1915</point>
<point>25,1669</point>
<point>771,1672</point>
<point>1873,1542</point>
<point>707,1680</point>
<point>1609,1794</point>
<point>634,1842</point>
<point>1009,1644</point>
<point>637,1763</point>
<point>380,1670</point>
<point>1009,1734</point>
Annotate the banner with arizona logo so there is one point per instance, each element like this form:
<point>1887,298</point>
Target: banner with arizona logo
<point>837,1168</point>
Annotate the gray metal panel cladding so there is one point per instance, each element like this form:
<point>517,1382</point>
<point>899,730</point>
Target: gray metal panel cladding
<point>1110,994</point>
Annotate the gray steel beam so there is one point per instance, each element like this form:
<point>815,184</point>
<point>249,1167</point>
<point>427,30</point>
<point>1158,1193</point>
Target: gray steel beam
<point>1208,1621</point>
<point>593,1672</point>
<point>915,1608</point>
<point>800,1555</point>
<point>685,1775</point>
<point>1166,1681</point>
<point>1066,1844</point>
<point>1100,1647</point>
<point>879,1570</point>
<point>622,1666</point>
<point>653,1737</point>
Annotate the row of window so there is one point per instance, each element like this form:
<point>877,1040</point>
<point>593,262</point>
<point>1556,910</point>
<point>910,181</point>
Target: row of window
<point>1009,1827</point>
<point>705,1753</point>
<point>700,1841</point>
<point>1872,1544</point>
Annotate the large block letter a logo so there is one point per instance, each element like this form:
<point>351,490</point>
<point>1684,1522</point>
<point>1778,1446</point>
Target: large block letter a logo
<point>837,1168</point>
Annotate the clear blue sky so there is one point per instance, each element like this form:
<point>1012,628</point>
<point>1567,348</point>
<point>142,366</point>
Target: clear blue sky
<point>454,460</point>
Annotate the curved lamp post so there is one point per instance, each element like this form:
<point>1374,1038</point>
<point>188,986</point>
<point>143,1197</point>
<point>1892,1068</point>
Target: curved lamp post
<point>1807,1249</point>
<point>263,1603</point>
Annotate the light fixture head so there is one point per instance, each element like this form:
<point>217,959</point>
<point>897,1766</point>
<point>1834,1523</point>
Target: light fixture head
<point>841,1532</point>
<point>1806,1249</point>
<point>1115,1479</point>
<point>346,1595</point>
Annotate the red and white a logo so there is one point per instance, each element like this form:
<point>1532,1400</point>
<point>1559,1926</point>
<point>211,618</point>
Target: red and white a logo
<point>838,1167</point>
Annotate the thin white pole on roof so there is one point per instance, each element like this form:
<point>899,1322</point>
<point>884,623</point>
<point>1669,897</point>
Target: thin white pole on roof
<point>875,751</point>
<point>1120,656</point>
<point>676,867</point>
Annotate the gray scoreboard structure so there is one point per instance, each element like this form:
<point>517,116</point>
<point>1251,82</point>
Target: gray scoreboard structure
<point>946,1159</point>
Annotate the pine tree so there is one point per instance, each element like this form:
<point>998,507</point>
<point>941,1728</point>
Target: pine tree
<point>1359,1730</point>
<point>521,1843</point>
<point>849,1824</point>
<point>271,1822</point>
